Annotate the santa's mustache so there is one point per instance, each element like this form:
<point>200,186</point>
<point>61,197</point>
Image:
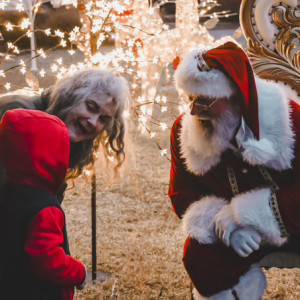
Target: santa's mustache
<point>207,123</point>
<point>221,128</point>
<point>203,116</point>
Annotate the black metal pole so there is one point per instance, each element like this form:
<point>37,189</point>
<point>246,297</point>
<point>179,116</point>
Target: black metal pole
<point>94,254</point>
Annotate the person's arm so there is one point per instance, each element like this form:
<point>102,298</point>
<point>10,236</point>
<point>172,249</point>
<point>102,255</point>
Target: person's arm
<point>47,258</point>
<point>16,101</point>
<point>274,215</point>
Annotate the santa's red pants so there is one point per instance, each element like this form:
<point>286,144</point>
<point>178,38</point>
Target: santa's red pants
<point>215,267</point>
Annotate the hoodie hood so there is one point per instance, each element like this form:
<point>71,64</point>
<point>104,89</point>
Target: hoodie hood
<point>34,149</point>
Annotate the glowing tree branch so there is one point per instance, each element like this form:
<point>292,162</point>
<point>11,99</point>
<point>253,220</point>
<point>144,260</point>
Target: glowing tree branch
<point>31,8</point>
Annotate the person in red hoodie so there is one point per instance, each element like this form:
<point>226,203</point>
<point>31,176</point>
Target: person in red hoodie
<point>35,261</point>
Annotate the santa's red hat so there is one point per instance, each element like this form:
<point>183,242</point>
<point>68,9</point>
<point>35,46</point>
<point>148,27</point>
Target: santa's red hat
<point>221,72</point>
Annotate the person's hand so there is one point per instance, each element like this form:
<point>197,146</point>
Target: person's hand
<point>225,224</point>
<point>244,241</point>
<point>83,283</point>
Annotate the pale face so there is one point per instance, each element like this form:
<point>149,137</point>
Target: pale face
<point>209,111</point>
<point>90,117</point>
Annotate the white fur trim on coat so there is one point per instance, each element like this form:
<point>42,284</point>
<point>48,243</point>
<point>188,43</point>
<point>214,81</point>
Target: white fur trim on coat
<point>251,286</point>
<point>198,221</point>
<point>253,209</point>
<point>213,83</point>
<point>275,149</point>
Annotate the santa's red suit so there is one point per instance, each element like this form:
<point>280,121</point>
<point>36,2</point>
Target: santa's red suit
<point>259,179</point>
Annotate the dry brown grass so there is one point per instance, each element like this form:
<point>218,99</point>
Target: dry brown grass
<point>139,237</point>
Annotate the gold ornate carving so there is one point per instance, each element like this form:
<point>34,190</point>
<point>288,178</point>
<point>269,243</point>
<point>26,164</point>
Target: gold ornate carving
<point>281,60</point>
<point>285,16</point>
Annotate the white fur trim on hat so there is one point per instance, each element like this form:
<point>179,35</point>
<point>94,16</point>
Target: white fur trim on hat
<point>213,83</point>
<point>198,221</point>
<point>253,209</point>
<point>275,149</point>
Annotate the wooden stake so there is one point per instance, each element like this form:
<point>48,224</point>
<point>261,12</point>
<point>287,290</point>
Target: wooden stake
<point>94,232</point>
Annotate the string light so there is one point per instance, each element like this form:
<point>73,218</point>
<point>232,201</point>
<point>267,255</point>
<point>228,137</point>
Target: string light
<point>9,27</point>
<point>48,31</point>
<point>42,73</point>
<point>7,86</point>
<point>23,70</point>
<point>25,23</point>
<point>42,53</point>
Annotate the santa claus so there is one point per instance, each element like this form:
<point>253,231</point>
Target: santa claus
<point>235,173</point>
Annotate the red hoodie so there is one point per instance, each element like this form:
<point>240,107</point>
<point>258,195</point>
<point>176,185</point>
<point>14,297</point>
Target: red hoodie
<point>35,150</point>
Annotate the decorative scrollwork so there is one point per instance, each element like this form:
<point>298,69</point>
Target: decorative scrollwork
<point>281,60</point>
<point>284,16</point>
<point>288,46</point>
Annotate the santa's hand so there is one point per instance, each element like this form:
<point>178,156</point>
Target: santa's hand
<point>244,241</point>
<point>225,224</point>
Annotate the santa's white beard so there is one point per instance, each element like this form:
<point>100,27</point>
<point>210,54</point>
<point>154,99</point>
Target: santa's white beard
<point>215,135</point>
<point>202,143</point>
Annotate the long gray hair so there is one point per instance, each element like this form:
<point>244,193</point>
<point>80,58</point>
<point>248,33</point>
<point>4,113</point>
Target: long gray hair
<point>65,94</point>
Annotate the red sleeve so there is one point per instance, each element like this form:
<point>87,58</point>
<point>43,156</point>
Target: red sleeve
<point>48,260</point>
<point>184,187</point>
<point>288,195</point>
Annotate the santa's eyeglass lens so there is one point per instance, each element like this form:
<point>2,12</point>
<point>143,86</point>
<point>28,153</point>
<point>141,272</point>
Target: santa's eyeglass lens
<point>198,101</point>
<point>203,103</point>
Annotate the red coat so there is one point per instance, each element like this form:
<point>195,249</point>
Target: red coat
<point>194,179</point>
<point>185,187</point>
<point>34,148</point>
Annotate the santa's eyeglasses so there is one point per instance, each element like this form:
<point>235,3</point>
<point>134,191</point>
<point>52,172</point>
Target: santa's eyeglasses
<point>200,102</point>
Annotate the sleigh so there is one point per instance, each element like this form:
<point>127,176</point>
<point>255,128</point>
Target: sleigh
<point>272,31</point>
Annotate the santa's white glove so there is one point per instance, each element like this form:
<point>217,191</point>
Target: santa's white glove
<point>225,224</point>
<point>244,241</point>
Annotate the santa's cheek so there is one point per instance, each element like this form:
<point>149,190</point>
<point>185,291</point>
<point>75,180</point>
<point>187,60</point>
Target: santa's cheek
<point>218,111</point>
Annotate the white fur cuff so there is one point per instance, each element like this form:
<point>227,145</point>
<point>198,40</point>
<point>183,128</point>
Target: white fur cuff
<point>253,209</point>
<point>198,221</point>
